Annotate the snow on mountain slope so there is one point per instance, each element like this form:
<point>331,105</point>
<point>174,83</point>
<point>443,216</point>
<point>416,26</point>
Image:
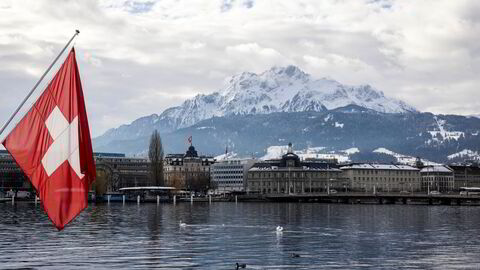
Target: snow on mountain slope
<point>280,89</point>
<point>404,159</point>
<point>440,133</point>
<point>276,152</point>
<point>225,156</point>
<point>465,153</point>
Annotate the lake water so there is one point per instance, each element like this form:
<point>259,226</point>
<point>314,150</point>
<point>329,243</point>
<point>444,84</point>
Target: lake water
<point>328,236</point>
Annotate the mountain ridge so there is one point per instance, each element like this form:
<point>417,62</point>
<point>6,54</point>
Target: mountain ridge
<point>434,137</point>
<point>279,89</point>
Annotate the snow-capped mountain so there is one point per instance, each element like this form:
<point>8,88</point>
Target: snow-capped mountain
<point>280,89</point>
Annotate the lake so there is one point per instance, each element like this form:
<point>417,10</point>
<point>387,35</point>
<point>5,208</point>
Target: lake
<point>218,235</point>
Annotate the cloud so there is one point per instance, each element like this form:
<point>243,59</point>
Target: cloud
<point>141,57</point>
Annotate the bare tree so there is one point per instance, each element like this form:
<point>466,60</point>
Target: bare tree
<point>155,154</point>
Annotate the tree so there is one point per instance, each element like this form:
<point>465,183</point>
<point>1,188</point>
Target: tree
<point>155,154</point>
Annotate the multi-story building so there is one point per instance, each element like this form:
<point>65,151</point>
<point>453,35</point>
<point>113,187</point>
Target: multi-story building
<point>115,171</point>
<point>438,177</point>
<point>230,175</point>
<point>466,175</point>
<point>187,171</point>
<point>11,176</point>
<point>382,177</point>
<point>291,175</point>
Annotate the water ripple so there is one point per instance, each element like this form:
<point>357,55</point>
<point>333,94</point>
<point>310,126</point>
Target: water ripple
<point>219,235</point>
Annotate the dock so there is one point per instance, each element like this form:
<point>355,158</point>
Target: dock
<point>378,198</point>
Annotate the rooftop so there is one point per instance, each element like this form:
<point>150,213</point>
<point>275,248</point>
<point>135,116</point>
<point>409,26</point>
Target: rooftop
<point>373,166</point>
<point>440,168</point>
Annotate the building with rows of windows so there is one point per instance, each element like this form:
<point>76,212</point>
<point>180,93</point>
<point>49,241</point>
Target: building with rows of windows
<point>437,178</point>
<point>290,175</point>
<point>115,171</point>
<point>229,175</point>
<point>187,171</point>
<point>11,176</point>
<point>382,177</point>
<point>466,175</point>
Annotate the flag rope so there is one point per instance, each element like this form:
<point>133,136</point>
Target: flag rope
<point>36,85</point>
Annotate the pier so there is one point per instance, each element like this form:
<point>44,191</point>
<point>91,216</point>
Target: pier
<point>378,198</point>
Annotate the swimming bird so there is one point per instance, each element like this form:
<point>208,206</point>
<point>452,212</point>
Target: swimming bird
<point>294,255</point>
<point>279,229</point>
<point>241,265</point>
<point>182,224</point>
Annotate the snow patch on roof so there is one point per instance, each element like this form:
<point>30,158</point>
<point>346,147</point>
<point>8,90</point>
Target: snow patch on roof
<point>379,167</point>
<point>437,168</point>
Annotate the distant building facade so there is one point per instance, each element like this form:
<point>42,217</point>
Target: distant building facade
<point>115,171</point>
<point>230,175</point>
<point>187,171</point>
<point>290,175</point>
<point>382,177</point>
<point>11,176</point>
<point>466,175</point>
<point>438,177</point>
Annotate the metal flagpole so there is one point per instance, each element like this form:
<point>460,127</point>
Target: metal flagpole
<point>35,87</point>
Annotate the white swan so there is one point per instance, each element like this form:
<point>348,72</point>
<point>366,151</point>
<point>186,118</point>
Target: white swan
<point>182,224</point>
<point>279,229</point>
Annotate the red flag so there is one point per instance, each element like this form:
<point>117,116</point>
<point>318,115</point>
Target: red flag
<point>52,145</point>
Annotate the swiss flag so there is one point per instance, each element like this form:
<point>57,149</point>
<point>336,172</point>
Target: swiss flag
<point>52,145</point>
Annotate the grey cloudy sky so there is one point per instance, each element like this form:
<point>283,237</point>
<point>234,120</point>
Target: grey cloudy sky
<point>141,57</point>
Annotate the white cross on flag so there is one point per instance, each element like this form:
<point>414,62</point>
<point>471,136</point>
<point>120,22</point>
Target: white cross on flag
<point>52,145</point>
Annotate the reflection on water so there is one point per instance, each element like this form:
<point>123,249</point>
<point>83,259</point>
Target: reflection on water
<point>220,234</point>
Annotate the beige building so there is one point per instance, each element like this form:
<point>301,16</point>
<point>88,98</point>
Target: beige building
<point>289,175</point>
<point>187,171</point>
<point>437,178</point>
<point>382,177</point>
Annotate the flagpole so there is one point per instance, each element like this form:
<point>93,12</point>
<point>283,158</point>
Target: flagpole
<point>39,81</point>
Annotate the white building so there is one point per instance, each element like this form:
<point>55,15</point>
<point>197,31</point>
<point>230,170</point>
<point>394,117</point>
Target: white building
<point>230,175</point>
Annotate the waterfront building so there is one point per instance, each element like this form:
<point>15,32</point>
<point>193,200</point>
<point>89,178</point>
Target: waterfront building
<point>466,175</point>
<point>437,178</point>
<point>11,176</point>
<point>188,171</point>
<point>230,175</point>
<point>291,175</point>
<point>115,171</point>
<point>368,177</point>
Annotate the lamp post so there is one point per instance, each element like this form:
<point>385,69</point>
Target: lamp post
<point>310,177</point>
<point>328,186</point>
